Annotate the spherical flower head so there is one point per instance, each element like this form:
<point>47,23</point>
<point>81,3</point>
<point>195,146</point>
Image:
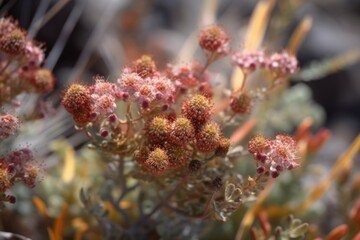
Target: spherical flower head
<point>213,39</point>
<point>178,155</point>
<point>13,43</point>
<point>249,61</point>
<point>141,155</point>
<point>258,144</point>
<point>242,103</point>
<point>145,95</point>
<point>284,152</point>
<point>282,64</point>
<point>104,104</point>
<point>8,125</point>
<point>129,82</point>
<point>207,140</point>
<point>163,87</point>
<point>42,81</point>
<point>157,161</point>
<point>78,102</point>
<point>224,146</point>
<point>182,131</point>
<point>197,109</point>
<point>102,87</point>
<point>5,180</point>
<point>157,130</point>
<point>144,66</point>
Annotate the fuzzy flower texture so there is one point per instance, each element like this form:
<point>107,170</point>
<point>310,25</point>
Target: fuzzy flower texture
<point>274,155</point>
<point>174,125</point>
<point>21,60</point>
<point>17,167</point>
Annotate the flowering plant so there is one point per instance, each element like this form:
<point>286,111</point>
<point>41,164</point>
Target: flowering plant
<point>161,129</point>
<point>20,72</point>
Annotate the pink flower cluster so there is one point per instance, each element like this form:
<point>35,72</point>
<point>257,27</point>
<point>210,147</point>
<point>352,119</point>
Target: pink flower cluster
<point>274,155</point>
<point>20,63</point>
<point>8,125</point>
<point>149,92</point>
<point>103,96</point>
<point>17,167</point>
<point>141,84</point>
<point>188,76</point>
<point>280,64</point>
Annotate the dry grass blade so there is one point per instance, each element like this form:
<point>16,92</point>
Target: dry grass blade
<point>60,222</point>
<point>258,24</point>
<point>208,15</point>
<point>241,132</point>
<point>40,206</point>
<point>250,215</point>
<point>299,35</point>
<point>319,69</point>
<point>48,16</point>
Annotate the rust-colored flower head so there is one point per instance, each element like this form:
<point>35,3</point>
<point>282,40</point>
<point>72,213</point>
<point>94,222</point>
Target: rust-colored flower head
<point>242,103</point>
<point>178,155</point>
<point>257,144</point>
<point>8,125</point>
<point>182,131</point>
<point>77,101</point>
<point>224,146</point>
<point>213,39</point>
<point>157,161</point>
<point>157,130</point>
<point>13,43</point>
<point>42,81</point>
<point>141,155</point>
<point>197,109</point>
<point>144,66</point>
<point>207,140</point>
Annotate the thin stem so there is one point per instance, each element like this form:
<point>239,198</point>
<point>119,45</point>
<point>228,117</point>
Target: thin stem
<point>204,214</point>
<point>7,64</point>
<point>64,35</point>
<point>171,194</point>
<point>209,60</point>
<point>230,118</point>
<point>243,83</point>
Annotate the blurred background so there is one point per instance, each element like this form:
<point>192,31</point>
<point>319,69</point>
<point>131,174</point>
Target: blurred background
<point>83,38</point>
